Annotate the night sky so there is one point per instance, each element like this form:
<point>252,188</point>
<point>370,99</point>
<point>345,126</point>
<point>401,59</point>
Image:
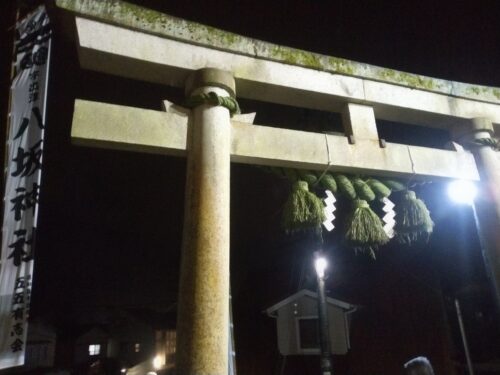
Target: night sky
<point>110,222</point>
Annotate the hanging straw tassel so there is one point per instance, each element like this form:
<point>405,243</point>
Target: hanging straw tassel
<point>413,219</point>
<point>364,228</point>
<point>382,192</point>
<point>303,210</point>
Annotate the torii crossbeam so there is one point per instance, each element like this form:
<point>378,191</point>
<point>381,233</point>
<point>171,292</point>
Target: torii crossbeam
<point>127,128</point>
<point>118,38</point>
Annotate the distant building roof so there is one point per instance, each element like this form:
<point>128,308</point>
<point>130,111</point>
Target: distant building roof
<point>307,293</point>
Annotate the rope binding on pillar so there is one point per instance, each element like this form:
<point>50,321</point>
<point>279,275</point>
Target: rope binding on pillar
<point>212,98</point>
<point>489,142</point>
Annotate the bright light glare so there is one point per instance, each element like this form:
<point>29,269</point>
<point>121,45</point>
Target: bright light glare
<point>123,370</point>
<point>320,264</point>
<point>157,362</point>
<point>462,192</point>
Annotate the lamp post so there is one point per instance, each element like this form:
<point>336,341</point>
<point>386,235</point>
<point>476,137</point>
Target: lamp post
<point>320,264</point>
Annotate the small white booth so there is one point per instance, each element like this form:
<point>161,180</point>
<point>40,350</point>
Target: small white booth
<point>297,324</point>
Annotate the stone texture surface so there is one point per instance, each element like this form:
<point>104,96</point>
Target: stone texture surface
<point>127,128</point>
<point>487,204</point>
<point>211,77</point>
<point>203,304</point>
<point>108,125</point>
<point>149,21</point>
<point>359,121</point>
<point>147,57</point>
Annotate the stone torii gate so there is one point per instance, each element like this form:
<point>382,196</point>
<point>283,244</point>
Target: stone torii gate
<point>121,39</point>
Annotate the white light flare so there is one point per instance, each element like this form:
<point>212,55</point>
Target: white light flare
<point>462,191</point>
<point>320,264</point>
<point>157,362</point>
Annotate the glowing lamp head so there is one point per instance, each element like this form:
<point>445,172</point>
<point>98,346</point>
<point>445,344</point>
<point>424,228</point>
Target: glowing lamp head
<point>462,192</point>
<point>157,362</point>
<point>320,264</point>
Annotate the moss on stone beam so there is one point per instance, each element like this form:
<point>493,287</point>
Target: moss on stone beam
<point>411,80</point>
<point>135,17</point>
<point>481,91</point>
<point>131,16</point>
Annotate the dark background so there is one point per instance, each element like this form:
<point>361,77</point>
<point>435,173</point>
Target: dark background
<point>110,222</point>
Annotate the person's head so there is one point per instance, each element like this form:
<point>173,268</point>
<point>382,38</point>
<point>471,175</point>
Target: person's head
<point>418,366</point>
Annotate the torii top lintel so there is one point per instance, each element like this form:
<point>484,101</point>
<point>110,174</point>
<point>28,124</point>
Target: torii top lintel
<point>271,72</point>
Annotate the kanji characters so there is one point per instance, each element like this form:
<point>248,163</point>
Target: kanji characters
<point>17,345</point>
<point>19,253</point>
<point>27,162</point>
<point>26,122</point>
<point>24,200</point>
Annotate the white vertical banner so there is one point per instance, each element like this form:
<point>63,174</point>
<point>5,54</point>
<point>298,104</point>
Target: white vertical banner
<point>22,184</point>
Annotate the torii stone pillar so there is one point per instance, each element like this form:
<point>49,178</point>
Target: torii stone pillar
<point>487,204</point>
<point>203,311</point>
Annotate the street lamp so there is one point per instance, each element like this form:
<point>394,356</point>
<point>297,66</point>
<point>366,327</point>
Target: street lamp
<point>321,264</point>
<point>157,362</point>
<point>462,191</point>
